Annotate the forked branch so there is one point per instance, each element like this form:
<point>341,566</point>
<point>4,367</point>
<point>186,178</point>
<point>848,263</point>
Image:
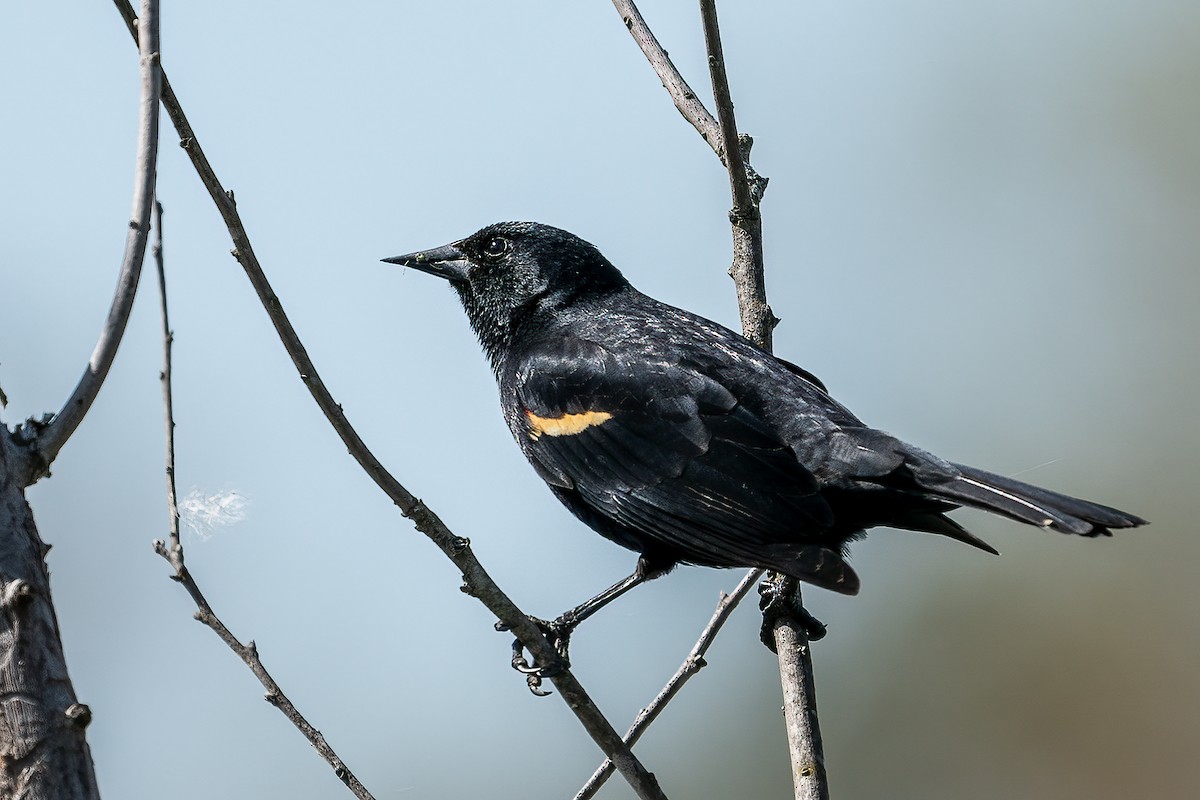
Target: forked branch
<point>47,440</point>
<point>476,580</point>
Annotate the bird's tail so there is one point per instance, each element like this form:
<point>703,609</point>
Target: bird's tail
<point>1028,503</point>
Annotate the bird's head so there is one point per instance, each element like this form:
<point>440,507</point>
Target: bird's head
<point>516,274</point>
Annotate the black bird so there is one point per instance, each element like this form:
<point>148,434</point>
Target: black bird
<point>680,439</point>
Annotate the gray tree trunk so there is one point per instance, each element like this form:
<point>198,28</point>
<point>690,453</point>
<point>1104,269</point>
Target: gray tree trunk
<point>43,752</point>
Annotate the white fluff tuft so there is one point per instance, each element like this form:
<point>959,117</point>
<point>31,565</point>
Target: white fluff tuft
<point>203,513</point>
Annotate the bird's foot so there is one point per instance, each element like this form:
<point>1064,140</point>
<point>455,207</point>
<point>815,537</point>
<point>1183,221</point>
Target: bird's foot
<point>779,598</point>
<point>558,633</point>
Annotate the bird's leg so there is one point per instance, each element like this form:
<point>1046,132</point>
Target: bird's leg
<point>778,597</point>
<point>559,630</point>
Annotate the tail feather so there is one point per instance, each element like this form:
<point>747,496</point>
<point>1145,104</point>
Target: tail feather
<point>933,522</point>
<point>1031,504</point>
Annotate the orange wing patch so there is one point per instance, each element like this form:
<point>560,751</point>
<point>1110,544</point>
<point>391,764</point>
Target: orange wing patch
<point>566,425</point>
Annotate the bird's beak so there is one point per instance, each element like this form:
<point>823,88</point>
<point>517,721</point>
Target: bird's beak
<point>445,262</point>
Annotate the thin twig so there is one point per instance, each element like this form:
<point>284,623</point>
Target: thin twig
<point>690,666</point>
<point>689,105</point>
<point>248,653</point>
<point>747,269</point>
<point>172,551</point>
<point>48,439</point>
<point>156,250</point>
<point>476,580</point>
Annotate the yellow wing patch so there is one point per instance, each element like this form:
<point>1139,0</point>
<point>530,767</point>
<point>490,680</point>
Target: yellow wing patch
<point>566,425</point>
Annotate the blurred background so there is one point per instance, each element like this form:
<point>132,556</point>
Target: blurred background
<point>981,231</point>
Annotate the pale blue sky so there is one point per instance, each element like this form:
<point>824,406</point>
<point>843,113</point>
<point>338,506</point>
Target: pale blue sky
<point>981,233</point>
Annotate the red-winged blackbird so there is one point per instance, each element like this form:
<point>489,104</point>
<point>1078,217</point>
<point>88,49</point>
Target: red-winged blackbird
<point>681,440</point>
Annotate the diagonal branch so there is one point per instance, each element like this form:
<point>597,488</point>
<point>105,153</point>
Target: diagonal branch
<point>248,653</point>
<point>690,666</point>
<point>689,105</point>
<point>172,551</point>
<point>49,439</point>
<point>476,580</point>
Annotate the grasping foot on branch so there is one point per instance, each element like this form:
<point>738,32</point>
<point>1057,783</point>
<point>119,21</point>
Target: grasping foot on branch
<point>779,598</point>
<point>559,637</point>
<point>559,630</point>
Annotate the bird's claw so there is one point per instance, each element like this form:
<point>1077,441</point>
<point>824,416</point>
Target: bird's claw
<point>778,599</point>
<point>558,632</point>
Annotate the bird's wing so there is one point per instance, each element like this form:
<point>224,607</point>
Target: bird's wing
<point>670,453</point>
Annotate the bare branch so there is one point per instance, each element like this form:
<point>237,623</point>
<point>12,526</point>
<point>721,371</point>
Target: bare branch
<point>743,205</point>
<point>172,551</point>
<point>476,580</point>
<point>758,323</point>
<point>747,270</point>
<point>165,377</point>
<point>690,666</point>
<point>47,442</point>
<point>795,657</point>
<point>809,780</point>
<point>248,653</point>
<point>689,105</point>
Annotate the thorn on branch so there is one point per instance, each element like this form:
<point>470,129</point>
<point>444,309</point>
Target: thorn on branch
<point>79,716</point>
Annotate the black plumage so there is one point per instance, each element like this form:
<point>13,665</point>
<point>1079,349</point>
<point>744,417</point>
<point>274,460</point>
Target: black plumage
<point>680,439</point>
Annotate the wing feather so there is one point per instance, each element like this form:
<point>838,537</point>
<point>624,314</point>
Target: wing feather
<point>673,458</point>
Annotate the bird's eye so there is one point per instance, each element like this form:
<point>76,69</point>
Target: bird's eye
<point>496,247</point>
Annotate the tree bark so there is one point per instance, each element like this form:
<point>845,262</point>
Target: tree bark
<point>43,752</point>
